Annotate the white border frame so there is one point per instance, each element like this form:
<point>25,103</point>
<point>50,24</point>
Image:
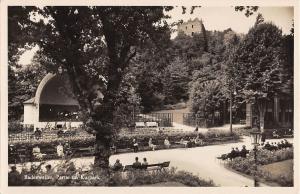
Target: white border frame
<point>145,190</point>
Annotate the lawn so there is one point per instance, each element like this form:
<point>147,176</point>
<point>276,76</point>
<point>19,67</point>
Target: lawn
<point>279,169</point>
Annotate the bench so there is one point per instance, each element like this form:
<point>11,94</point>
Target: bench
<point>152,124</point>
<point>140,125</point>
<point>157,166</point>
<point>185,143</point>
<point>242,122</point>
<point>88,150</point>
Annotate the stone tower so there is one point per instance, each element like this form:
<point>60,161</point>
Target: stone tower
<point>191,27</point>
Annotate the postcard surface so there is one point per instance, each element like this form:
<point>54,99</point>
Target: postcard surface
<point>135,97</point>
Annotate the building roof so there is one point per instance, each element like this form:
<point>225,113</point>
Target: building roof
<point>30,101</point>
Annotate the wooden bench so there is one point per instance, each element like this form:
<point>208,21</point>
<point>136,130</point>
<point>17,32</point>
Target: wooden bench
<point>242,122</point>
<point>152,124</point>
<point>88,150</point>
<point>185,143</point>
<point>140,125</point>
<point>150,167</point>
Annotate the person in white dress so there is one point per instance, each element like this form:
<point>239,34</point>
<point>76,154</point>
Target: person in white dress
<point>60,150</point>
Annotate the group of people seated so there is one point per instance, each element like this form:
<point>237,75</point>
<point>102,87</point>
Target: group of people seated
<point>61,151</point>
<point>190,142</point>
<point>136,165</point>
<point>277,145</point>
<point>238,153</point>
<point>151,145</point>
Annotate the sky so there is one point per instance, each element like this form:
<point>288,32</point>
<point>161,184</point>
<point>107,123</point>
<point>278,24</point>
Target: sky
<point>218,18</point>
<point>222,18</point>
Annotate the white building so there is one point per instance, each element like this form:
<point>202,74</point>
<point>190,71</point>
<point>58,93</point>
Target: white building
<point>54,104</point>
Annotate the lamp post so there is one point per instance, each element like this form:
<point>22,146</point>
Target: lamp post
<point>230,109</point>
<point>255,138</point>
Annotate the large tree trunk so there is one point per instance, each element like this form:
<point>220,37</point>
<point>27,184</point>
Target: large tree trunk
<point>102,151</point>
<point>262,106</point>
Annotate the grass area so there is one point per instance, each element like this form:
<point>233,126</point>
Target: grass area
<point>278,169</point>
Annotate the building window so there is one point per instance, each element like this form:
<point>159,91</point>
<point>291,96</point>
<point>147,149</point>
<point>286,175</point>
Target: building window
<point>186,27</point>
<point>192,26</point>
<point>192,33</point>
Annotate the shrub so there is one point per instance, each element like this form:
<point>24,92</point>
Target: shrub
<point>15,127</point>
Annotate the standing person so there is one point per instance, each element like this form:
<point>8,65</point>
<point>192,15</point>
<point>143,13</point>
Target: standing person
<point>136,164</point>
<point>60,150</point>
<point>135,145</point>
<point>263,137</point>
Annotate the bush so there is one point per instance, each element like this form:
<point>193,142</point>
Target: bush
<point>15,127</point>
<point>97,177</point>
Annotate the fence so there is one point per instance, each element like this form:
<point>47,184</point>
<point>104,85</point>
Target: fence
<point>163,119</point>
<point>193,120</point>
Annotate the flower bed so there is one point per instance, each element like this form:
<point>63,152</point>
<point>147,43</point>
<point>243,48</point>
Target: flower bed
<point>95,177</point>
<point>247,165</point>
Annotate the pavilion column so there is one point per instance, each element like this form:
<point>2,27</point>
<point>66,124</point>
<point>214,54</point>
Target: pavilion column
<point>276,109</point>
<point>249,115</point>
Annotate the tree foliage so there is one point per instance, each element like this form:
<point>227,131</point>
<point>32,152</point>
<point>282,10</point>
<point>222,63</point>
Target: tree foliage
<point>73,36</point>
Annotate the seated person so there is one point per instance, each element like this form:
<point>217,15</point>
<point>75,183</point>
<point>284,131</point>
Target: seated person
<point>275,135</point>
<point>36,152</point>
<point>280,144</point>
<point>136,164</point>
<point>151,145</point>
<point>135,145</point>
<point>237,152</point>
<point>71,168</point>
<point>183,142</point>
<point>191,142</point>
<point>287,144</point>
<point>198,141</point>
<point>273,147</point>
<point>267,146</point>
<point>145,163</point>
<point>232,154</point>
<point>14,177</point>
<point>243,152</point>
<point>167,143</point>
<point>38,133</point>
<point>117,166</point>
